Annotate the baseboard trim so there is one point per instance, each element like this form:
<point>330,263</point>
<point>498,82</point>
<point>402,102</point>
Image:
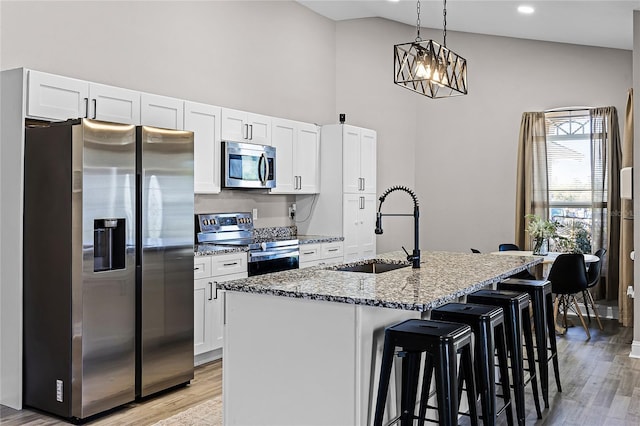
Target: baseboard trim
<point>207,357</point>
<point>635,349</point>
<point>605,311</point>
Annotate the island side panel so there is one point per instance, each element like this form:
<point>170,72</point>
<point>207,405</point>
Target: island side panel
<point>371,322</point>
<point>288,361</point>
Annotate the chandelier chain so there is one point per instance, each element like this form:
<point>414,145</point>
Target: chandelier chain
<point>444,24</point>
<point>418,38</point>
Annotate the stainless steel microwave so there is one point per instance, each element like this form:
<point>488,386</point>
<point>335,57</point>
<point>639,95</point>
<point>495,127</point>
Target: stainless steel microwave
<point>247,165</point>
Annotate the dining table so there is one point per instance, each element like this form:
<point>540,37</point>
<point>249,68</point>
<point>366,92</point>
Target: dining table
<point>541,270</point>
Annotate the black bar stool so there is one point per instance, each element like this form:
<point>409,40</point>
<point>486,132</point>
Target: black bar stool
<point>517,322</point>
<point>544,325</point>
<point>441,341</point>
<point>487,324</point>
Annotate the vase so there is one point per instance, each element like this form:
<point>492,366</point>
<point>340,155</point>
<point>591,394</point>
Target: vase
<point>541,246</point>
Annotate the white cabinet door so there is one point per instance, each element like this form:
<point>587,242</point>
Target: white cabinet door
<point>307,158</point>
<point>283,138</point>
<point>234,125</point>
<point>203,315</point>
<point>114,104</point>
<point>161,111</point>
<point>218,315</point>
<point>204,121</point>
<point>242,126</point>
<point>259,128</point>
<point>351,178</point>
<point>54,97</point>
<point>367,218</point>
<point>368,160</point>
<point>351,226</point>
<point>359,218</point>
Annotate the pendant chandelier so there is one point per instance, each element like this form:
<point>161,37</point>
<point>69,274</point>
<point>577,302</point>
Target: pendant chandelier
<point>428,67</point>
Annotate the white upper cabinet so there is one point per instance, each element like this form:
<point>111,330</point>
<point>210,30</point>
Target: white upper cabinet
<point>359,213</point>
<point>204,121</point>
<point>359,161</point>
<point>161,111</point>
<point>53,97</point>
<point>114,104</point>
<point>297,156</point>
<point>283,138</point>
<point>307,159</point>
<point>242,126</point>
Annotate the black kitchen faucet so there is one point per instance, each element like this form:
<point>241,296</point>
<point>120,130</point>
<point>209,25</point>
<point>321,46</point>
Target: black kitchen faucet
<point>415,256</point>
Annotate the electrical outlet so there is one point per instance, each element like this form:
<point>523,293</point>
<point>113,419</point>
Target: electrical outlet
<point>292,213</point>
<point>631,292</point>
<point>59,390</point>
<point>255,214</point>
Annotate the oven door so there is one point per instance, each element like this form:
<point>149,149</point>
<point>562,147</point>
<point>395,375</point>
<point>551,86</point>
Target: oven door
<point>248,165</point>
<point>273,260</point>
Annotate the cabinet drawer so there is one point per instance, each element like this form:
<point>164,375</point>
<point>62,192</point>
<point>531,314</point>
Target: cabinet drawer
<point>225,264</point>
<point>330,250</point>
<point>310,252</point>
<point>201,267</point>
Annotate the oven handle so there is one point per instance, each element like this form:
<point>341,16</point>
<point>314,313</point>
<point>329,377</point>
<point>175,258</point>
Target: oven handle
<point>274,253</point>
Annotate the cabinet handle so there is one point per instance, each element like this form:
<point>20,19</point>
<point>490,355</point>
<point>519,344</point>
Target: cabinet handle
<point>210,290</point>
<point>95,107</point>
<point>196,268</point>
<point>308,252</point>
<point>361,204</point>
<point>299,182</point>
<point>334,249</point>
<point>216,296</point>
<point>86,107</point>
<point>363,184</point>
<point>230,264</point>
<point>251,128</point>
<point>245,131</point>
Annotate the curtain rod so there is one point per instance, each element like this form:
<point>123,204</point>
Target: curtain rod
<point>570,109</point>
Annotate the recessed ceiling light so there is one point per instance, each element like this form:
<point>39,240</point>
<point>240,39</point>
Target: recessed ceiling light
<point>526,10</point>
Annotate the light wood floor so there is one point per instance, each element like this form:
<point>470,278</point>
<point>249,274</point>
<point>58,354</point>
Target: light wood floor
<point>601,386</point>
<point>207,384</point>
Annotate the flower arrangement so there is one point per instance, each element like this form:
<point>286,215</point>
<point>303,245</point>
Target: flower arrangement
<point>541,230</point>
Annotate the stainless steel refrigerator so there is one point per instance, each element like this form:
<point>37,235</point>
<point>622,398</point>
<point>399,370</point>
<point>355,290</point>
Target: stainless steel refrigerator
<point>108,265</point>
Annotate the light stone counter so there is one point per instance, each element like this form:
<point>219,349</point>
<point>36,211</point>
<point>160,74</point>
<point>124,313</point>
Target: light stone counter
<point>442,277</point>
<point>304,346</point>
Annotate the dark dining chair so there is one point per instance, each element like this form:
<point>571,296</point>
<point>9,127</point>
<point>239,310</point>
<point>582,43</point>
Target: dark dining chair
<point>524,275</point>
<point>593,277</point>
<point>508,247</point>
<point>475,250</point>
<point>568,276</point>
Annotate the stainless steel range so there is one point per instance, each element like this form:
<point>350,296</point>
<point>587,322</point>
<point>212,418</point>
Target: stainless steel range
<point>265,254</point>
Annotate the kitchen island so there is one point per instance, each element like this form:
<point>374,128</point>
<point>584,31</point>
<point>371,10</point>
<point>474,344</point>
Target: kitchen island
<point>303,347</point>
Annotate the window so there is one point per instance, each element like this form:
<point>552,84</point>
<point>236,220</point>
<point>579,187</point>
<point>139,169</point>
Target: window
<point>572,168</point>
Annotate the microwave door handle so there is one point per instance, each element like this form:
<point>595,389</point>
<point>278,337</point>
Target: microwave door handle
<point>260,168</point>
<point>265,164</point>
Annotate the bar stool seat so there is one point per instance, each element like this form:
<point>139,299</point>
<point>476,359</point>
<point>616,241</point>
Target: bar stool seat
<point>441,342</point>
<point>544,326</point>
<point>517,323</point>
<point>487,324</point>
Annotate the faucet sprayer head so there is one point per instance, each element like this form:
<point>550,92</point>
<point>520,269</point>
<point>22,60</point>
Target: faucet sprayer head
<point>379,223</point>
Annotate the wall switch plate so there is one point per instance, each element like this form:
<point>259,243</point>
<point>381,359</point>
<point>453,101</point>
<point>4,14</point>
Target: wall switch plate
<point>255,214</point>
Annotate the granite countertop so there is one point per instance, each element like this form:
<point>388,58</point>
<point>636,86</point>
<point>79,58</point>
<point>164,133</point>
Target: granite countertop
<point>315,239</point>
<point>442,277</point>
<point>214,249</point>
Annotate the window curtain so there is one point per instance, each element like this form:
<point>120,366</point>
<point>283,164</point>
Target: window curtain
<point>605,184</point>
<point>532,196</point>
<point>625,304</point>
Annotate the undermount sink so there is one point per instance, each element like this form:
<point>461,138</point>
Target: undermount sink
<point>372,268</point>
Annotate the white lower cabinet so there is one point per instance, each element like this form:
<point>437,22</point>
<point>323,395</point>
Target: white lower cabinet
<point>359,217</point>
<point>320,254</point>
<point>208,301</point>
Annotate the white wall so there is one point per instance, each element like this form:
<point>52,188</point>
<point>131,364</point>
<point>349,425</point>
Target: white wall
<point>270,57</point>
<point>460,153</point>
